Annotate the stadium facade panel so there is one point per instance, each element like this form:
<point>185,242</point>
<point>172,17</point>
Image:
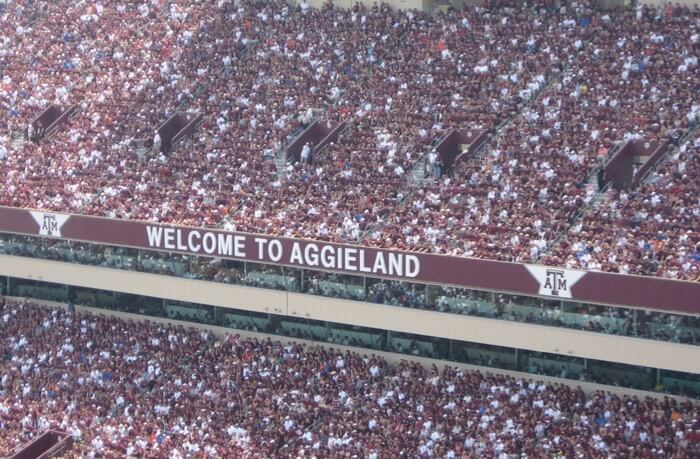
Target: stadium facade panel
<point>519,278</point>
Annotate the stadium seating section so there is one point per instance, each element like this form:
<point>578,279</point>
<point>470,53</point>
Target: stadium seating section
<point>135,389</point>
<point>86,86</point>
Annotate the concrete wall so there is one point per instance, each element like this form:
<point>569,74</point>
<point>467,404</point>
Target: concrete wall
<point>633,351</point>
<point>393,358</point>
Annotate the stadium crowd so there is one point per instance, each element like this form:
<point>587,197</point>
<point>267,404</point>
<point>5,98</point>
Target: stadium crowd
<point>124,388</point>
<point>510,204</point>
<point>564,85</point>
<point>648,230</point>
<point>429,75</point>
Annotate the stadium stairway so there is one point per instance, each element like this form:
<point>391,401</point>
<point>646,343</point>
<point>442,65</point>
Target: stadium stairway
<point>17,141</point>
<point>280,161</point>
<point>419,176</point>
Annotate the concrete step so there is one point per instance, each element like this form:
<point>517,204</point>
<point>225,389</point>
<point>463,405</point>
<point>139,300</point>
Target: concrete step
<point>592,184</point>
<point>424,181</point>
<point>593,180</point>
<point>141,152</point>
<point>281,165</point>
<point>602,199</point>
<point>17,143</point>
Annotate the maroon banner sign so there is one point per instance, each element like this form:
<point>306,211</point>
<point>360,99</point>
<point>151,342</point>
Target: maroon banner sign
<point>519,278</point>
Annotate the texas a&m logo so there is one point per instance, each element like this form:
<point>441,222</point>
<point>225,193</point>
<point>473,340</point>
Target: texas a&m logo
<point>555,281</point>
<point>50,224</point>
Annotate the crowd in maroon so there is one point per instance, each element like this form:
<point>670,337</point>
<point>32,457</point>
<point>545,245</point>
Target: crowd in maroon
<point>515,199</point>
<point>565,85</point>
<point>135,389</point>
<point>653,229</point>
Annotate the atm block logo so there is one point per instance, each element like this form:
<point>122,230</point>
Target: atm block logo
<point>49,223</point>
<point>555,281</point>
